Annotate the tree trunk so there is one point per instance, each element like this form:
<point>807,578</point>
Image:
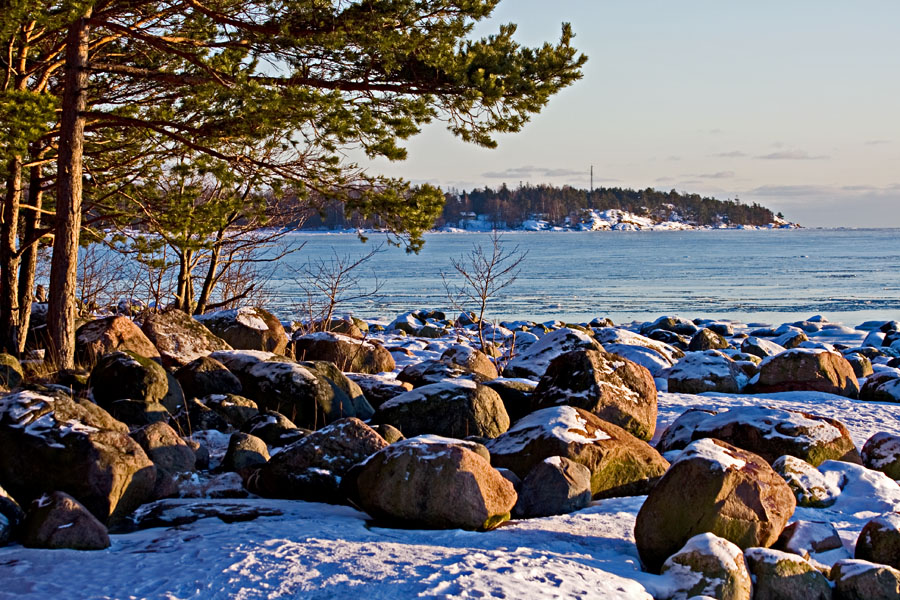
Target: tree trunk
<point>9,260</point>
<point>29,257</point>
<point>64,265</point>
<point>210,279</point>
<point>184,292</point>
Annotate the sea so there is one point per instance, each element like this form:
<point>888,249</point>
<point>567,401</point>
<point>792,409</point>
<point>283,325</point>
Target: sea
<point>752,276</point>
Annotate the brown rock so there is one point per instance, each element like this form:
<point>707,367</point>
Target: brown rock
<point>179,338</point>
<point>165,448</point>
<point>717,488</point>
<point>204,376</point>
<point>96,338</point>
<point>57,520</point>
<point>881,452</point>
<point>349,354</point>
<point>620,464</point>
<point>470,359</point>
<point>410,482</point>
<point>247,328</point>
<point>879,540</point>
<point>801,369</point>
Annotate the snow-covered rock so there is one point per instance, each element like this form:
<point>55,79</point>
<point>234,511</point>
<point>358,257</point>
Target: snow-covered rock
<point>533,361</point>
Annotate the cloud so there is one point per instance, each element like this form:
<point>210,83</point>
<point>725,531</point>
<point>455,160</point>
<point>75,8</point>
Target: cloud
<point>832,206</point>
<point>790,191</point>
<point>673,157</point>
<point>877,142</point>
<point>732,154</point>
<point>791,155</point>
<point>529,172</point>
<point>716,175</point>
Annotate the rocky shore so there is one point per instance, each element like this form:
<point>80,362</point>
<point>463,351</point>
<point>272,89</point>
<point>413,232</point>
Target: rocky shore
<point>773,483</point>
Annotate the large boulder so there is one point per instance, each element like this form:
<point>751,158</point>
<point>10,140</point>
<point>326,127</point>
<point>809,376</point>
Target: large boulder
<point>707,339</point>
<point>455,408</point>
<point>11,517</point>
<point>768,432</point>
<point>881,452</point>
<point>674,324</point>
<point>717,488</point>
<point>434,483</point>
<point>655,355</point>
<point>532,362</point>
<point>879,540</point>
<point>11,374</point>
<point>165,448</point>
<point>710,371</point>
<point>759,347</point>
<point>247,328</point>
<point>613,388</point>
<point>126,375</point>
<point>707,566</point>
<point>554,486</point>
<point>517,395</point>
<point>784,576</point>
<point>57,520</point>
<point>881,387</point>
<point>349,354</point>
<point>205,376</point>
<point>294,472</point>
<point>430,371</point>
<point>620,464</point>
<point>110,334</point>
<point>236,410</point>
<point>810,486</point>
<point>245,452</point>
<point>51,442</point>
<point>470,359</point>
<point>807,369</point>
<point>180,338</point>
<point>863,580</point>
<point>310,394</point>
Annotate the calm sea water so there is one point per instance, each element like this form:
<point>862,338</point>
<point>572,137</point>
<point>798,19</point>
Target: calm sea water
<point>752,276</point>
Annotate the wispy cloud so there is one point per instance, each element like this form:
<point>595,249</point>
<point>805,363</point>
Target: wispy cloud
<point>792,155</point>
<point>732,154</point>
<point>716,175</point>
<point>877,142</point>
<point>529,172</point>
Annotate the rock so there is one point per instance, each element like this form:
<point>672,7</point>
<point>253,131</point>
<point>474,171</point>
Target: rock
<point>707,566</point>
<point>554,486</point>
<point>294,472</point>
<point>111,334</point>
<point>620,464</point>
<point>245,452</point>
<point>710,371</point>
<point>347,353</point>
<point>180,338</point>
<point>125,375</point>
<point>881,452</point>
<point>517,396</point>
<point>11,374</point>
<point>410,482</point>
<point>862,580</point>
<point>717,488</point>
<point>809,539</point>
<point>204,376</point>
<point>803,369</point>
<point>165,448</point>
<point>881,387</point>
<point>613,388</point>
<point>784,576</point>
<point>862,366</point>
<point>274,429</point>
<point>300,391</point>
<point>247,328</point>
<point>706,339</point>
<point>673,324</point>
<point>196,416</point>
<point>57,520</point>
<point>810,487</point>
<point>429,372</point>
<point>390,433</point>
<point>378,389</point>
<point>136,413</point>
<point>11,517</point>
<point>53,442</point>
<point>770,433</point>
<point>532,362</point>
<point>879,541</point>
<point>761,348</point>
<point>470,359</point>
<point>408,323</point>
<point>236,410</point>
<point>791,339</point>
<point>651,354</point>
<point>456,408</point>
<point>679,434</point>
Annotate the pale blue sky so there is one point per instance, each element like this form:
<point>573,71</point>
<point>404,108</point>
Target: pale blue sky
<point>793,104</point>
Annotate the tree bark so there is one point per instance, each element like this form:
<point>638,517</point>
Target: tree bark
<point>210,279</point>
<point>9,259</point>
<point>29,255</point>
<point>64,265</point>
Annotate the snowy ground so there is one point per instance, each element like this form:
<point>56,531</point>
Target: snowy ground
<point>319,551</point>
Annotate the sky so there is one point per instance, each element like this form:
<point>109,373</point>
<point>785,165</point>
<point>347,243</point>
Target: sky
<point>790,104</point>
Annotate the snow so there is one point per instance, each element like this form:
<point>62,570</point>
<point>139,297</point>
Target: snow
<point>245,315</point>
<point>453,386</point>
<point>706,449</point>
<point>561,422</point>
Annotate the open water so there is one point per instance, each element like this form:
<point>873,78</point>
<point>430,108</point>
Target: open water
<point>767,276</point>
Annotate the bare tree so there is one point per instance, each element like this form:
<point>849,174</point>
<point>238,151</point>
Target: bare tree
<point>328,283</point>
<point>485,273</point>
